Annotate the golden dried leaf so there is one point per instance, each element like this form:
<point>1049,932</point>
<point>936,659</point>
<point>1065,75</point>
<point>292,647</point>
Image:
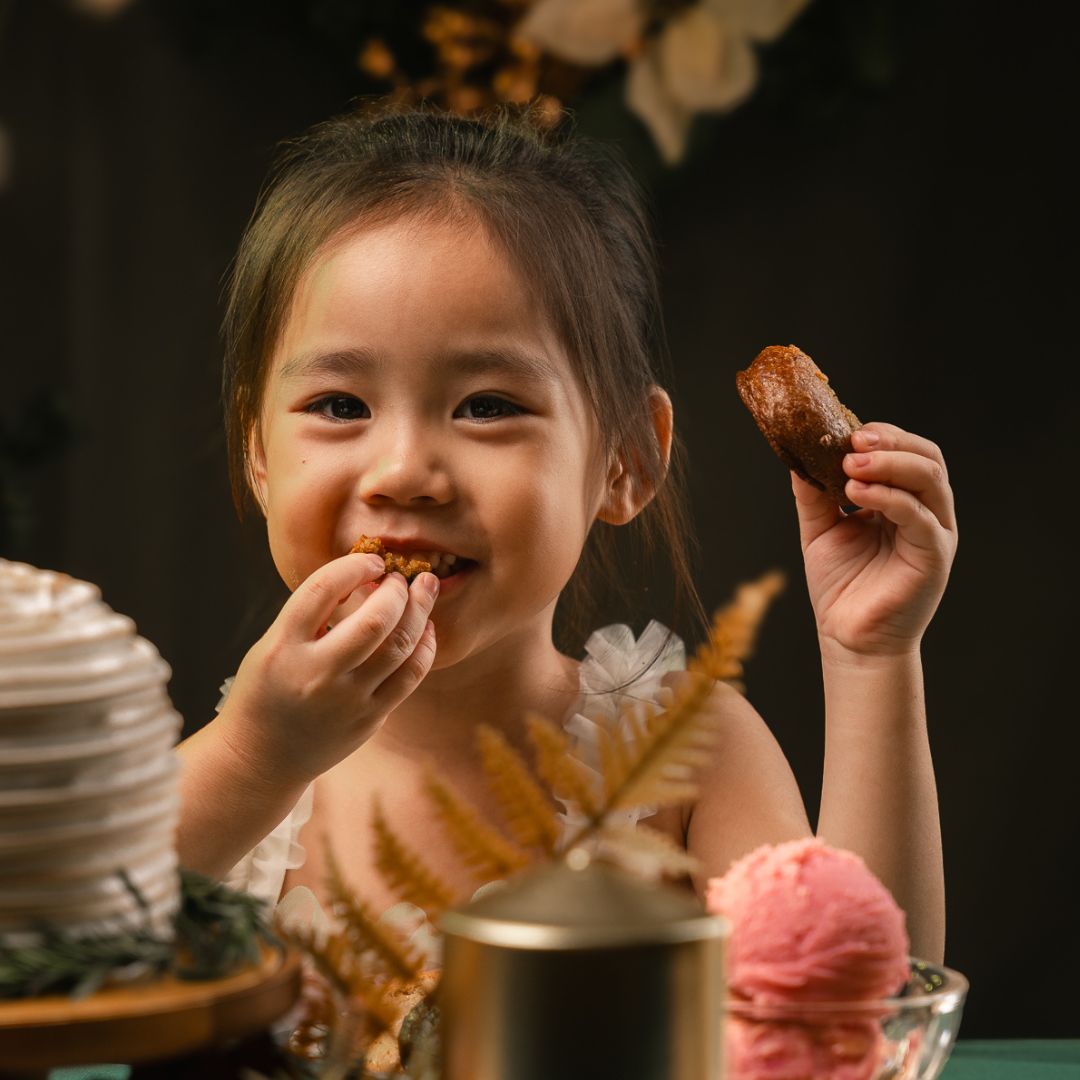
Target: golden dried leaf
<point>376,59</point>
<point>381,1014</point>
<point>364,929</point>
<point>526,809</point>
<point>651,845</point>
<point>734,629</point>
<point>333,955</point>
<point>482,848</point>
<point>405,873</point>
<point>564,774</point>
<point>658,770</point>
<point>515,84</point>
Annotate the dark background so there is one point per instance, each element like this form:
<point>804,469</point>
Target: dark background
<point>892,200</point>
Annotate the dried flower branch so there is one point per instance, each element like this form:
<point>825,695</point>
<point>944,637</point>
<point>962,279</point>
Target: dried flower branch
<point>365,933</point>
<point>482,848</point>
<point>654,761</point>
<point>650,846</point>
<point>332,955</point>
<point>558,767</point>
<point>527,811</point>
<point>404,872</point>
<point>734,630</point>
<point>649,756</point>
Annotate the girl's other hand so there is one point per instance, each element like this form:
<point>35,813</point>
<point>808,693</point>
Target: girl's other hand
<point>876,576</point>
<point>306,696</point>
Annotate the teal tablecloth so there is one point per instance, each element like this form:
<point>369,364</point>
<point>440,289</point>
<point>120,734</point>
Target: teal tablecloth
<point>1022,1059</point>
<point>993,1059</point>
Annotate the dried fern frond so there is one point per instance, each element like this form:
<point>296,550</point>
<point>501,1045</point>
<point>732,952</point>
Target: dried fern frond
<point>558,768</point>
<point>378,1005</point>
<point>643,841</point>
<point>367,935</point>
<point>318,1023</point>
<point>526,810</point>
<point>655,765</point>
<point>649,755</point>
<point>405,873</point>
<point>333,955</point>
<point>619,751</point>
<point>483,850</point>
<point>734,630</point>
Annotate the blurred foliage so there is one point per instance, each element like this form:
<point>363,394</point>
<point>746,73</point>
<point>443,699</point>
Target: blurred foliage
<point>218,930</point>
<point>837,58</point>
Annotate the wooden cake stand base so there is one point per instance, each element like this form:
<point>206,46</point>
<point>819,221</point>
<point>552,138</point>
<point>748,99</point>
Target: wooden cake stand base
<point>143,1022</point>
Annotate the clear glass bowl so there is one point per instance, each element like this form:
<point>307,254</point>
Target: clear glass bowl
<point>907,1037</point>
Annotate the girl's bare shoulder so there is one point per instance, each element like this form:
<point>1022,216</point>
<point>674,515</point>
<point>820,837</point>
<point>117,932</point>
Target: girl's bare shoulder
<point>747,792</point>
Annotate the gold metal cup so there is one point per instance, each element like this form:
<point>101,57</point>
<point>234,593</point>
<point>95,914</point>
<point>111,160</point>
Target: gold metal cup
<point>582,974</point>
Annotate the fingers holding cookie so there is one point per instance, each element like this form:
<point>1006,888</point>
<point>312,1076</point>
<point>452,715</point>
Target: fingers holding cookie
<point>887,456</point>
<point>817,510</point>
<point>381,635</point>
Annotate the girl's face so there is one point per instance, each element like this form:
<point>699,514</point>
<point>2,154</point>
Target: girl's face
<point>418,394</point>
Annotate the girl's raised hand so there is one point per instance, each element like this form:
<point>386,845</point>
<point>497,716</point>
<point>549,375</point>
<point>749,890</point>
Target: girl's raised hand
<point>876,576</point>
<point>306,696</point>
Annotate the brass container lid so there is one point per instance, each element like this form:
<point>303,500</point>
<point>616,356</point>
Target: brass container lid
<point>582,904</point>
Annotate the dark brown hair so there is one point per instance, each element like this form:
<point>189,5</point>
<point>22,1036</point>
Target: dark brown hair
<point>569,215</point>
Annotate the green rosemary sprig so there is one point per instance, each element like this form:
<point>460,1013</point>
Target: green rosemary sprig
<point>60,964</point>
<point>218,930</point>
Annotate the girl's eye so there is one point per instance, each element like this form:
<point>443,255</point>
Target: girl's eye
<point>486,407</point>
<point>340,407</point>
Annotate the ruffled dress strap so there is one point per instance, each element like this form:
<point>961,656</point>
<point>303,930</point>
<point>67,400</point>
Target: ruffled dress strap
<point>262,870</point>
<point>619,677</point>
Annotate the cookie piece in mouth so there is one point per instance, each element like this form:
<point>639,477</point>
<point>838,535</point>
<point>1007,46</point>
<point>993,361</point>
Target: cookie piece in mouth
<point>800,415</point>
<point>395,563</point>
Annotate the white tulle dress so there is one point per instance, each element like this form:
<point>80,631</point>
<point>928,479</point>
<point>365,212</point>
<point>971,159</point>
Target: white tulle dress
<point>617,669</point>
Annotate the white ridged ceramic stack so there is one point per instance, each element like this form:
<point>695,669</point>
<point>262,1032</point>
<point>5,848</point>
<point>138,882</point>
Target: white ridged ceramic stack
<point>88,776</point>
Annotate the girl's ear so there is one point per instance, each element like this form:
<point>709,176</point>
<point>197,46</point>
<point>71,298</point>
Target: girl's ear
<point>256,469</point>
<point>627,492</point>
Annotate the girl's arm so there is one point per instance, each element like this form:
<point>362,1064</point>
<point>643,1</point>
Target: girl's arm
<point>305,697</point>
<point>228,802</point>
<point>875,579</point>
<point>878,796</point>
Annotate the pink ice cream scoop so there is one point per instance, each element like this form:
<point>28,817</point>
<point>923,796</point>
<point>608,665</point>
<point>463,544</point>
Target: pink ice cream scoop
<point>809,923</point>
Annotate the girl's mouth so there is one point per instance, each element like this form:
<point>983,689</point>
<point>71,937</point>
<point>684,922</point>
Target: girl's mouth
<point>443,564</point>
<point>452,577</point>
<point>413,561</point>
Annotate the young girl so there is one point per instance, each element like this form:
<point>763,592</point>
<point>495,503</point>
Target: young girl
<point>442,332</point>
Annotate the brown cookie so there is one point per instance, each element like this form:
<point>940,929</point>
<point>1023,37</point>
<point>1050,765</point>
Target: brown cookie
<point>799,413</point>
<point>373,545</point>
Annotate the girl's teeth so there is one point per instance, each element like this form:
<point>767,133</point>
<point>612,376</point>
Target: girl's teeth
<point>436,558</point>
<point>442,563</point>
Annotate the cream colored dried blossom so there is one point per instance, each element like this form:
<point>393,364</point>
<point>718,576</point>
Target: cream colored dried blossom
<point>702,61</point>
<point>648,97</point>
<point>759,20</point>
<point>587,32</point>
<point>704,64</point>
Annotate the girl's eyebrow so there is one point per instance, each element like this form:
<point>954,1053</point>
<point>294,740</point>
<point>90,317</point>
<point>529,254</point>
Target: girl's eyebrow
<point>360,360</point>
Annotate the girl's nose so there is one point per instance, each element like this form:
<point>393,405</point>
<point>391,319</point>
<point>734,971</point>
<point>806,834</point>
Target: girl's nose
<point>405,468</point>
